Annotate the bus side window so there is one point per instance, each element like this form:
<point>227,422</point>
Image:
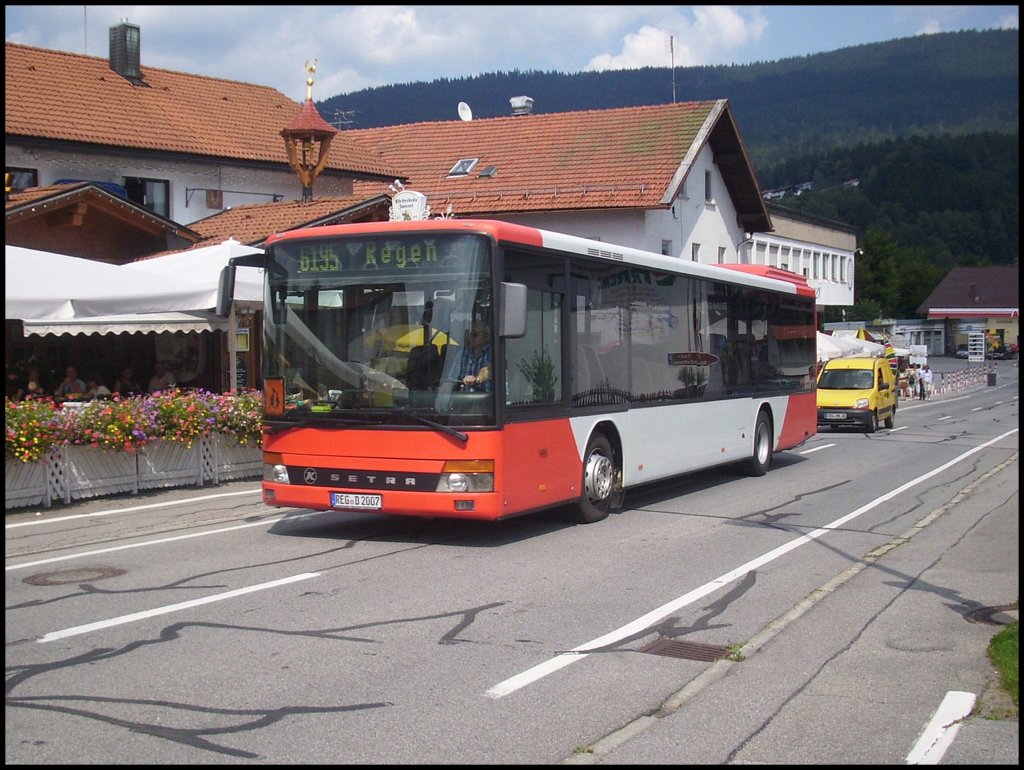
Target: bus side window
<point>534,361</point>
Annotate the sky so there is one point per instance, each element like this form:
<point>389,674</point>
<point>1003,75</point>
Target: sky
<point>362,46</point>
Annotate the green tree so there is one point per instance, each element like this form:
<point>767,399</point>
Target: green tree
<point>877,272</point>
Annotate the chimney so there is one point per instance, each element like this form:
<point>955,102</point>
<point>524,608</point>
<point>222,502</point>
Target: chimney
<point>521,105</point>
<point>125,53</point>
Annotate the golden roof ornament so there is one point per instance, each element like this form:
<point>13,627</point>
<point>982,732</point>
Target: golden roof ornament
<point>310,68</point>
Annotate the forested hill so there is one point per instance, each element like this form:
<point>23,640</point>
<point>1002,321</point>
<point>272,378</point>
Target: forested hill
<point>949,83</point>
<point>915,142</point>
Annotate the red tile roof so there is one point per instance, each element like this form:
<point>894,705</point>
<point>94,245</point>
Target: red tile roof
<point>632,157</point>
<point>69,97</point>
<point>253,223</point>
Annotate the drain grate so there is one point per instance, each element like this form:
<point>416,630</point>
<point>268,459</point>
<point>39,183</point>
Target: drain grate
<point>85,575</point>
<point>673,648</point>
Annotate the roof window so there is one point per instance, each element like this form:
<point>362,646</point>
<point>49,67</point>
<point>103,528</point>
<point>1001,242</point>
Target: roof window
<point>463,167</point>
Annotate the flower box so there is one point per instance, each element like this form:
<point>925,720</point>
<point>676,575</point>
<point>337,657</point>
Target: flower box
<point>86,471</point>
<point>124,445</point>
<point>26,483</point>
<point>233,460</point>
<point>164,463</point>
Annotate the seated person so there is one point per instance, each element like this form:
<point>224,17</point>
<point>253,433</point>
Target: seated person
<point>94,387</point>
<point>70,386</point>
<point>162,378</point>
<point>476,360</point>
<point>126,384</point>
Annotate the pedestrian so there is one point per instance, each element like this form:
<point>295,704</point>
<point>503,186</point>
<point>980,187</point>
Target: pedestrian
<point>927,379</point>
<point>904,388</point>
<point>912,381</point>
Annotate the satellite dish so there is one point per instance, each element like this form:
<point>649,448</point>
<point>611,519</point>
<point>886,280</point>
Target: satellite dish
<point>464,112</point>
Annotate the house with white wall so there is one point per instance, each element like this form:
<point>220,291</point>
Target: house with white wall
<point>671,178</point>
<point>183,146</point>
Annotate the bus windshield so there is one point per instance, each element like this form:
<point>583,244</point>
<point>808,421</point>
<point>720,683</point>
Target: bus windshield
<point>373,329</point>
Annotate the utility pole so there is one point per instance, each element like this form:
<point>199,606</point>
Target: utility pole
<point>672,55</point>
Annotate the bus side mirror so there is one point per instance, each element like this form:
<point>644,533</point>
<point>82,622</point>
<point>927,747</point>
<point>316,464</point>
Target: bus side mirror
<point>226,290</point>
<point>513,310</point>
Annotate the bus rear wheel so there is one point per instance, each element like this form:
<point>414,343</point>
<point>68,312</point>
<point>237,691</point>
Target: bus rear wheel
<point>598,479</point>
<point>761,457</point>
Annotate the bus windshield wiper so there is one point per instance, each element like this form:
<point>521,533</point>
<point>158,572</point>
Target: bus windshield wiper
<point>435,425</point>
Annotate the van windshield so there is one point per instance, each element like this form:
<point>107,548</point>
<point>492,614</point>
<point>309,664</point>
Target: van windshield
<point>846,379</point>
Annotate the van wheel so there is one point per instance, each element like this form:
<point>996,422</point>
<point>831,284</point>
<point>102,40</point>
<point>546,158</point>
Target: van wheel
<point>872,422</point>
<point>598,479</point>
<point>761,458</point>
<point>891,419</point>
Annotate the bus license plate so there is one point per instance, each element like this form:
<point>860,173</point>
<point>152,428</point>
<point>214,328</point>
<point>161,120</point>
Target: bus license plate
<point>835,416</point>
<point>360,502</point>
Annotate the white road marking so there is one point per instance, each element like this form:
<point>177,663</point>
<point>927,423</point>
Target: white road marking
<point>561,660</point>
<point>942,729</point>
<point>112,511</point>
<point>823,446</point>
<point>54,635</point>
<point>206,533</point>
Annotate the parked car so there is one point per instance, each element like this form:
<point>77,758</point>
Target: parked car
<point>856,392</point>
<point>961,351</point>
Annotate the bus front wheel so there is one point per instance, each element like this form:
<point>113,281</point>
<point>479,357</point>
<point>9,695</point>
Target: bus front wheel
<point>598,480</point>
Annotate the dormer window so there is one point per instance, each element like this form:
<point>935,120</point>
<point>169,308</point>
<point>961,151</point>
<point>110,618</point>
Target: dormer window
<point>463,167</point>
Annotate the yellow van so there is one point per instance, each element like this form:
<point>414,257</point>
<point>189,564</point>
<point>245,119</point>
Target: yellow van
<point>856,392</point>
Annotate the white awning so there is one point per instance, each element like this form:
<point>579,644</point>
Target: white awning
<point>132,323</point>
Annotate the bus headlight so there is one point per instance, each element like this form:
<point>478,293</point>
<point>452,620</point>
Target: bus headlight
<point>467,476</point>
<point>277,473</point>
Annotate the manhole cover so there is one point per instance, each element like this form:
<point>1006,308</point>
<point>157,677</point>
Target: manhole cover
<point>83,575</point>
<point>674,648</point>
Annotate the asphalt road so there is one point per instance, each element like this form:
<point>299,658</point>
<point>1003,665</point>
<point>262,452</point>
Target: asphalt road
<point>855,580</point>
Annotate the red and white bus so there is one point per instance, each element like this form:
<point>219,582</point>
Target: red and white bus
<point>608,368</point>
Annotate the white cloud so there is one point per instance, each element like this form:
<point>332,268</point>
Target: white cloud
<point>361,47</point>
<point>714,34</point>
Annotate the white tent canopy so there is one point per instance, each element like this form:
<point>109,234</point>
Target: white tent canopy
<point>132,323</point>
<point>44,285</point>
<point>846,346</point>
<point>203,266</point>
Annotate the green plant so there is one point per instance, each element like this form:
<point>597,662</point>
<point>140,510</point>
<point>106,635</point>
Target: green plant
<point>540,372</point>
<point>693,379</point>
<point>1004,652</point>
<point>31,428</point>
